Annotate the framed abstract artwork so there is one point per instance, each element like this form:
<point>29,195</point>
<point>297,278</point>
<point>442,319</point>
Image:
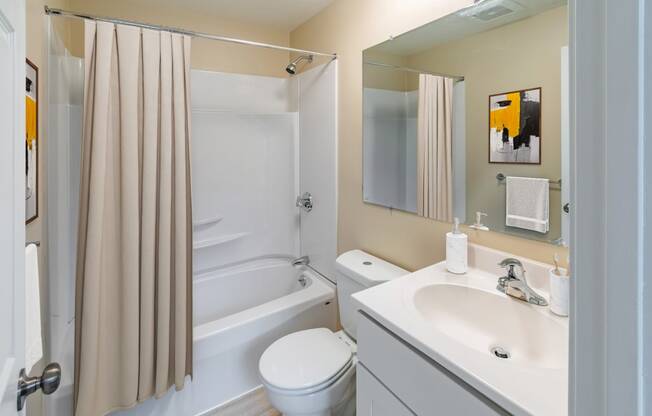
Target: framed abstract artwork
<point>515,127</point>
<point>31,142</point>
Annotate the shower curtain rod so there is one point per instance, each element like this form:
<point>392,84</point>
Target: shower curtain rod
<point>403,68</point>
<point>65,13</point>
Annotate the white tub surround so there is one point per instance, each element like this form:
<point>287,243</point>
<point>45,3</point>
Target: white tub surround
<point>317,105</point>
<point>455,320</point>
<point>258,143</point>
<point>390,126</point>
<point>268,290</point>
<point>245,178</point>
<point>63,161</point>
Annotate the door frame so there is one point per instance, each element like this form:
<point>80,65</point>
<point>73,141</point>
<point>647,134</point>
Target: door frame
<point>611,307</point>
<point>12,193</point>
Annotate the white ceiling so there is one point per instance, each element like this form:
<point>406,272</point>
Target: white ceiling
<point>281,14</point>
<point>456,26</point>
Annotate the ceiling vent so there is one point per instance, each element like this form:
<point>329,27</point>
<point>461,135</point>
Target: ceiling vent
<point>487,10</point>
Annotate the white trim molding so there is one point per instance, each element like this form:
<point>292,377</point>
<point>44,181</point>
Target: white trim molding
<point>608,153</point>
<point>645,73</point>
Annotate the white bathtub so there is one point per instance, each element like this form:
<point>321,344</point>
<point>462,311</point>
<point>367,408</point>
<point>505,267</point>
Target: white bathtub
<point>238,312</point>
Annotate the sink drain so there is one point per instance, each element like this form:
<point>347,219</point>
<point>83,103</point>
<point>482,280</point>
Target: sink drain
<point>500,352</point>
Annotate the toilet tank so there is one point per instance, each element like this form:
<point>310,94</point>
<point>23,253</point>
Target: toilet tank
<point>356,271</point>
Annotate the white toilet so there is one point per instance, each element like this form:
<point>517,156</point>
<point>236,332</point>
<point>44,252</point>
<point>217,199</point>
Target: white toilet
<point>312,372</point>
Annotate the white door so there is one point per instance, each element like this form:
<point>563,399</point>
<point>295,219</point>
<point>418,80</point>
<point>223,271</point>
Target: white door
<point>12,200</point>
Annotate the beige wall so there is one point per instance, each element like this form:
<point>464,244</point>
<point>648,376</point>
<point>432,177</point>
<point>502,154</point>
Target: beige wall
<point>206,54</point>
<point>525,54</point>
<point>387,78</point>
<point>347,27</point>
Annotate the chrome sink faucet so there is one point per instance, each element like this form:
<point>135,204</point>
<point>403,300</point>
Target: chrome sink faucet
<point>515,285</point>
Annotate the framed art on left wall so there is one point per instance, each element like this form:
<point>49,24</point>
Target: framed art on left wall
<point>31,142</point>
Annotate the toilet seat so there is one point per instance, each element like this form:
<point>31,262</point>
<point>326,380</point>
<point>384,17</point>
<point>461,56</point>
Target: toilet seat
<point>305,361</point>
<point>314,389</point>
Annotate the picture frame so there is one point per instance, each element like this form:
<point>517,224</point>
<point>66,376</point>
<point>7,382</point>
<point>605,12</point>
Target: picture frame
<point>31,142</point>
<point>515,127</point>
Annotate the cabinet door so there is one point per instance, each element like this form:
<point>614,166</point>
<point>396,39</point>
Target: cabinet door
<point>424,386</point>
<point>373,399</point>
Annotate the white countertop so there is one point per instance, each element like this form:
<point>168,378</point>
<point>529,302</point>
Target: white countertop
<point>518,387</point>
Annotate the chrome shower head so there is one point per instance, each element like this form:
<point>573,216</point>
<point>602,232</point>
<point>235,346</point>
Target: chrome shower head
<point>292,66</point>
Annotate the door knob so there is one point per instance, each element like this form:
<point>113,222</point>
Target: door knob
<point>305,201</point>
<point>48,382</point>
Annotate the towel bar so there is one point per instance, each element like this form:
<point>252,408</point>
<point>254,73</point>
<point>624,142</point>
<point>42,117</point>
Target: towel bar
<point>501,178</point>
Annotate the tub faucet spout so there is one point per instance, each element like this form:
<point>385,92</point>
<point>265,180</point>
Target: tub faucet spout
<point>301,261</point>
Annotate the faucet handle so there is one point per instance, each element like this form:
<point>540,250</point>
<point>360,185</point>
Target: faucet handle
<point>510,262</point>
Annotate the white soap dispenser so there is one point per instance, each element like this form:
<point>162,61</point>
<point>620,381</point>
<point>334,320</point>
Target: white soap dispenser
<point>456,250</point>
<point>478,222</point>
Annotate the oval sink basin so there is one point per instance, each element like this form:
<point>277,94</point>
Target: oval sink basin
<point>493,324</point>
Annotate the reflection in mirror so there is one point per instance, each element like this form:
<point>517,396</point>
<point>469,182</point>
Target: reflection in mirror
<point>467,117</point>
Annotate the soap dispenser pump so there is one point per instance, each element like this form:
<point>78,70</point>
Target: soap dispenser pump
<point>456,250</point>
<point>478,222</point>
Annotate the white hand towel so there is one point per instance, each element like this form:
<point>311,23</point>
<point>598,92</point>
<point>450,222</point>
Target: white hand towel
<point>33,338</point>
<point>527,203</point>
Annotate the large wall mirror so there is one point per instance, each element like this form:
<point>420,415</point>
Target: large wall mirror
<point>467,117</point>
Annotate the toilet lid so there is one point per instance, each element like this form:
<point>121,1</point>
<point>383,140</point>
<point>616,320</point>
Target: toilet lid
<point>304,359</point>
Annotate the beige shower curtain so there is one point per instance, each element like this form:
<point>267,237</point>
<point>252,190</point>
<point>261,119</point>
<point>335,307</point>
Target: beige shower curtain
<point>133,329</point>
<point>434,148</point>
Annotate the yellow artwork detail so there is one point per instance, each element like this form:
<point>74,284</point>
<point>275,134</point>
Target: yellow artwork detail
<point>509,116</point>
<point>30,119</point>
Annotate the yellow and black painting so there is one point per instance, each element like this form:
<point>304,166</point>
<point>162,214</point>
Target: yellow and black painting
<point>31,142</point>
<point>515,127</point>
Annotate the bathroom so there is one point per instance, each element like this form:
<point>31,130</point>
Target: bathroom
<point>325,207</point>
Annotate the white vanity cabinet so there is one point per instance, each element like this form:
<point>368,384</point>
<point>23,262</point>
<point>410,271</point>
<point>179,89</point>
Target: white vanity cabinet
<point>374,399</point>
<point>394,379</point>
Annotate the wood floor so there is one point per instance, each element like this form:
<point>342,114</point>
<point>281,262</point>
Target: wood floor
<point>254,403</point>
